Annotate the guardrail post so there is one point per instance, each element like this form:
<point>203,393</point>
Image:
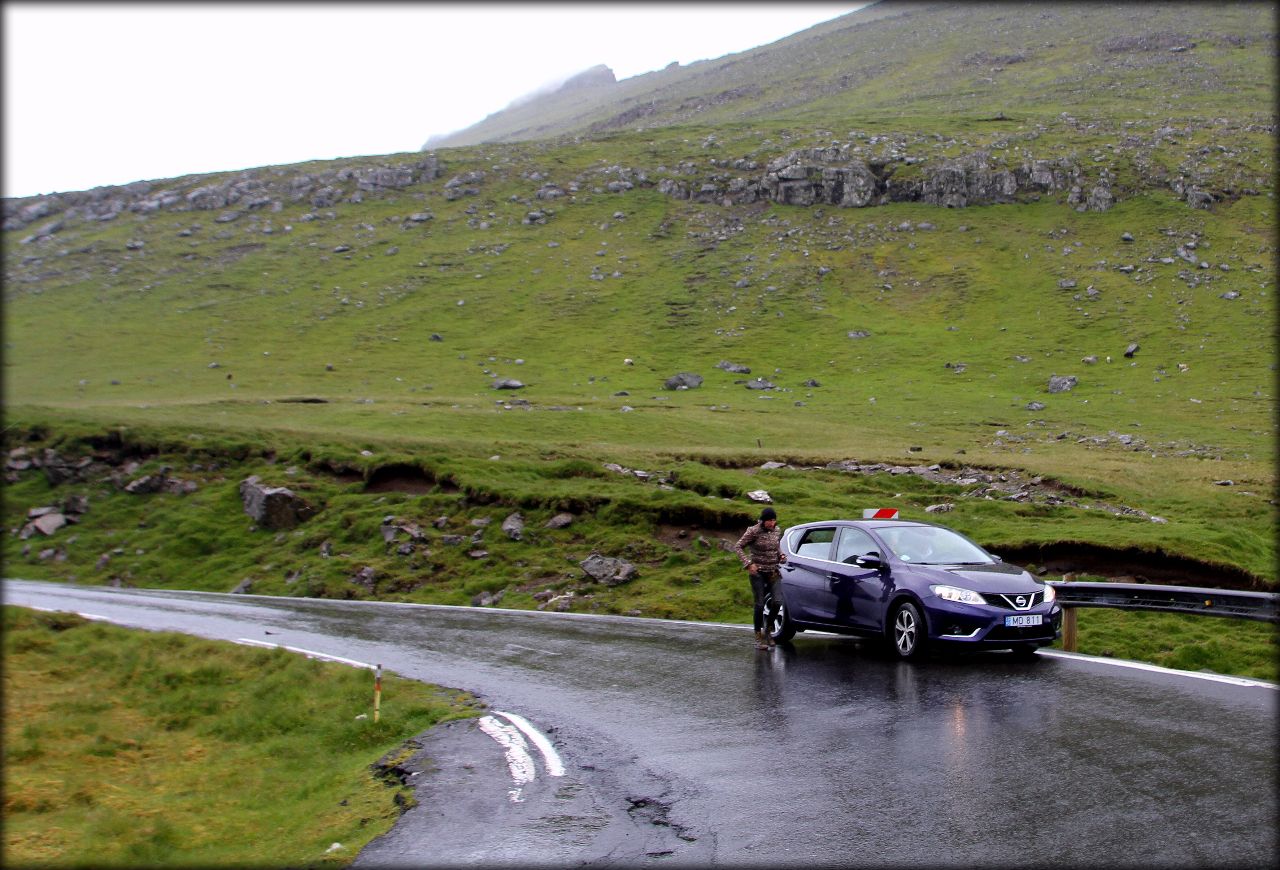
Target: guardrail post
<point>1069,629</point>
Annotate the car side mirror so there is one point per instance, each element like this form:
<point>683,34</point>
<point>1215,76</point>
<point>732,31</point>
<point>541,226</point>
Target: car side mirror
<point>996,558</point>
<point>869,560</point>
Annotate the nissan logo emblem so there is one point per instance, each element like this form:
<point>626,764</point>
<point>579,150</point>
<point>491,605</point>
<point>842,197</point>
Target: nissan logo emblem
<point>1021,600</point>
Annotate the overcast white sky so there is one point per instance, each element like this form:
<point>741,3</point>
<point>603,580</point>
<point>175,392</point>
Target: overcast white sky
<point>109,93</point>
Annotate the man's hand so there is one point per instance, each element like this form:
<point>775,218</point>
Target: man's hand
<point>782,557</point>
<point>751,567</point>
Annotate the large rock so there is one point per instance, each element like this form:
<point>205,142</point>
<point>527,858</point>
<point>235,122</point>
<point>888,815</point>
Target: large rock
<point>561,520</point>
<point>608,570</point>
<point>273,507</point>
<point>683,381</point>
<point>513,526</point>
<point>1062,383</point>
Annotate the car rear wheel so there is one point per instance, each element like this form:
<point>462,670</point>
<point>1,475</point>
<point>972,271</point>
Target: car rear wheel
<point>907,631</point>
<point>776,621</point>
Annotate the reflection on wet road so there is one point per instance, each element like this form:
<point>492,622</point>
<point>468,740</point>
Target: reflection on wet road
<point>829,751</point>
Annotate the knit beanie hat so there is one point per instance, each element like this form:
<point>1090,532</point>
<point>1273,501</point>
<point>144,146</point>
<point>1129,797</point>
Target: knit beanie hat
<point>768,514</point>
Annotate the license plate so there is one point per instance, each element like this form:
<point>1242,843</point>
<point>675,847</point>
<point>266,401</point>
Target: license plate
<point>1023,621</point>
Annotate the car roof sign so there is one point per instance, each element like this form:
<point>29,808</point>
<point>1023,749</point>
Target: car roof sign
<point>880,514</point>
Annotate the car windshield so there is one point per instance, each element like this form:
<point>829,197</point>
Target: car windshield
<point>929,545</point>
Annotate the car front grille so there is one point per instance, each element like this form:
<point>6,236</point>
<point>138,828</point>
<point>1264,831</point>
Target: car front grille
<point>1010,602</point>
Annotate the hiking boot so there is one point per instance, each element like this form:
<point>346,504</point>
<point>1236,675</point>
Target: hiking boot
<point>760,641</point>
<point>768,639</point>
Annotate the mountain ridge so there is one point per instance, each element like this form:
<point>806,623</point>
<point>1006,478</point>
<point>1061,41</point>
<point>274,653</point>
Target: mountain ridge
<point>910,57</point>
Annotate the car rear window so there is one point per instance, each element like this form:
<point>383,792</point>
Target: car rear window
<point>816,543</point>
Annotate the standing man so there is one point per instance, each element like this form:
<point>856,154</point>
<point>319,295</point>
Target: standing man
<point>758,550</point>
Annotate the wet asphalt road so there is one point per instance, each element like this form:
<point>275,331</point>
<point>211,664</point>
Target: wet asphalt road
<point>684,745</point>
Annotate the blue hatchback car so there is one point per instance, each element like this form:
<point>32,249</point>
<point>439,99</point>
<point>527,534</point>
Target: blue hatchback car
<point>915,584</point>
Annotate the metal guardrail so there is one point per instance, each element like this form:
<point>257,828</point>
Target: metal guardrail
<point>1260,606</point>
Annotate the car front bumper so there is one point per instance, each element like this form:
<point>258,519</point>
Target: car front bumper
<point>985,625</point>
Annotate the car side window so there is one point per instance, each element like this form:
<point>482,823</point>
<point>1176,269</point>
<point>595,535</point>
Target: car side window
<point>854,543</point>
<point>816,544</point>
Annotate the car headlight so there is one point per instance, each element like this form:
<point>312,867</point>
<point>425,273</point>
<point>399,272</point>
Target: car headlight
<point>1050,594</point>
<point>955,593</point>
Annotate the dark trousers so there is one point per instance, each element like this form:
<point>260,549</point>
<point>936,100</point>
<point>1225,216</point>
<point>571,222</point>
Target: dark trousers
<point>763,582</point>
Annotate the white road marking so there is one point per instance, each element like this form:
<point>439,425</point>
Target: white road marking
<point>531,649</point>
<point>309,653</point>
<point>555,767</point>
<point>517,752</point>
<point>1143,666</point>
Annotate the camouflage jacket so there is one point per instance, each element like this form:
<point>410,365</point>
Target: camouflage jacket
<point>759,545</point>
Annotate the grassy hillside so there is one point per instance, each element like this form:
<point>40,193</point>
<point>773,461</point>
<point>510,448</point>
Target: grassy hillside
<point>340,327</point>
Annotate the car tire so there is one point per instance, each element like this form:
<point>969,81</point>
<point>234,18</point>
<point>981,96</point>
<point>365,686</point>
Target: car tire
<point>907,631</point>
<point>776,620</point>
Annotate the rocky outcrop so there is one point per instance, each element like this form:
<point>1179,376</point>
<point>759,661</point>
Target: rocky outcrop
<point>255,189</point>
<point>595,77</point>
<point>836,176</point>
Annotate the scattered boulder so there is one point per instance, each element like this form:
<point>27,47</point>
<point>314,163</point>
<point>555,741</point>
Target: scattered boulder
<point>488,599</point>
<point>46,521</point>
<point>561,520</point>
<point>58,469</point>
<point>859,333</point>
<point>365,577</point>
<point>273,507</point>
<point>513,526</point>
<point>608,570</point>
<point>760,384</point>
<point>1131,350</point>
<point>733,368</point>
<point>507,384</point>
<point>760,495</point>
<point>148,483</point>
<point>392,528</point>
<point>683,381</point>
<point>1035,406</point>
<point>242,587</point>
<point>943,508</point>
<point>1062,383</point>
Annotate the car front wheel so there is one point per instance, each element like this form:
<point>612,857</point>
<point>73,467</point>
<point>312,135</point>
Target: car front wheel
<point>908,631</point>
<point>776,621</point>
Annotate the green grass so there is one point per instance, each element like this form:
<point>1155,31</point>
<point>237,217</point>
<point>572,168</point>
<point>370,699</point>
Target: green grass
<point>174,751</point>
<point>1186,642</point>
